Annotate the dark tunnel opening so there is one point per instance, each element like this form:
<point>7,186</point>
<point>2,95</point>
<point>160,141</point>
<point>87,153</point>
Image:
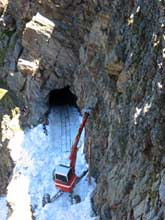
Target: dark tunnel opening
<point>62,97</point>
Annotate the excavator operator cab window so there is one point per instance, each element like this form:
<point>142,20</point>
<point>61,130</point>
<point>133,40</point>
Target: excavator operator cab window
<point>70,173</point>
<point>61,178</point>
<point>63,173</point>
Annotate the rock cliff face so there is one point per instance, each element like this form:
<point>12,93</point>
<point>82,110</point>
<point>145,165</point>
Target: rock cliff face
<point>110,54</point>
<point>9,123</point>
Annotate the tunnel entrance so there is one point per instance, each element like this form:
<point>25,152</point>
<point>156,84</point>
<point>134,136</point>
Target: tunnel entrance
<point>62,97</point>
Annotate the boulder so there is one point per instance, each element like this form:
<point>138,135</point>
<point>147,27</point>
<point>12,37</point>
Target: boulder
<point>37,38</point>
<point>27,67</point>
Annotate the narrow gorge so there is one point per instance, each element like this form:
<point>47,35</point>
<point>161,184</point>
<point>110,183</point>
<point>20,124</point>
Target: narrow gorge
<point>104,55</point>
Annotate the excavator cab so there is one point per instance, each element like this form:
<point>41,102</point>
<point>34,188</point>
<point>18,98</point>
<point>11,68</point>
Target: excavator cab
<point>62,173</point>
<point>64,178</point>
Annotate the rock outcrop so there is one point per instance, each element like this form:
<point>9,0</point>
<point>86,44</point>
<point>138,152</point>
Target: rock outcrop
<point>111,54</point>
<point>9,115</point>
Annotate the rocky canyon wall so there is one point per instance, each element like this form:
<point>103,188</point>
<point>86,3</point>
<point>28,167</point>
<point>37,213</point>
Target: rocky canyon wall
<point>111,54</point>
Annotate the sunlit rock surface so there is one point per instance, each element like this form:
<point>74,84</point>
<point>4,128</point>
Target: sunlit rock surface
<point>111,55</point>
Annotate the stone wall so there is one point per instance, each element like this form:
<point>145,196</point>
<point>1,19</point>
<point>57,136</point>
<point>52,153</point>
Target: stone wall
<point>111,55</point>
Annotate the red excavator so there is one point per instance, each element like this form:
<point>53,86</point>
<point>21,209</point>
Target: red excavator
<point>64,176</point>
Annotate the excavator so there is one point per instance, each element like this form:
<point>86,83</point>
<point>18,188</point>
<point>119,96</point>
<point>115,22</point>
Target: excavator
<point>64,176</point>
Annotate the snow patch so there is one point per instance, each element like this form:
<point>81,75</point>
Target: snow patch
<point>3,208</point>
<point>36,155</point>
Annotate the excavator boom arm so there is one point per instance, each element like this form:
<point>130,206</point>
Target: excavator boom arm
<point>77,138</point>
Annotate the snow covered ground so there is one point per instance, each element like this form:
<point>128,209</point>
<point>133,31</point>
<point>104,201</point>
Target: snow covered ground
<point>3,208</point>
<point>36,155</point>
